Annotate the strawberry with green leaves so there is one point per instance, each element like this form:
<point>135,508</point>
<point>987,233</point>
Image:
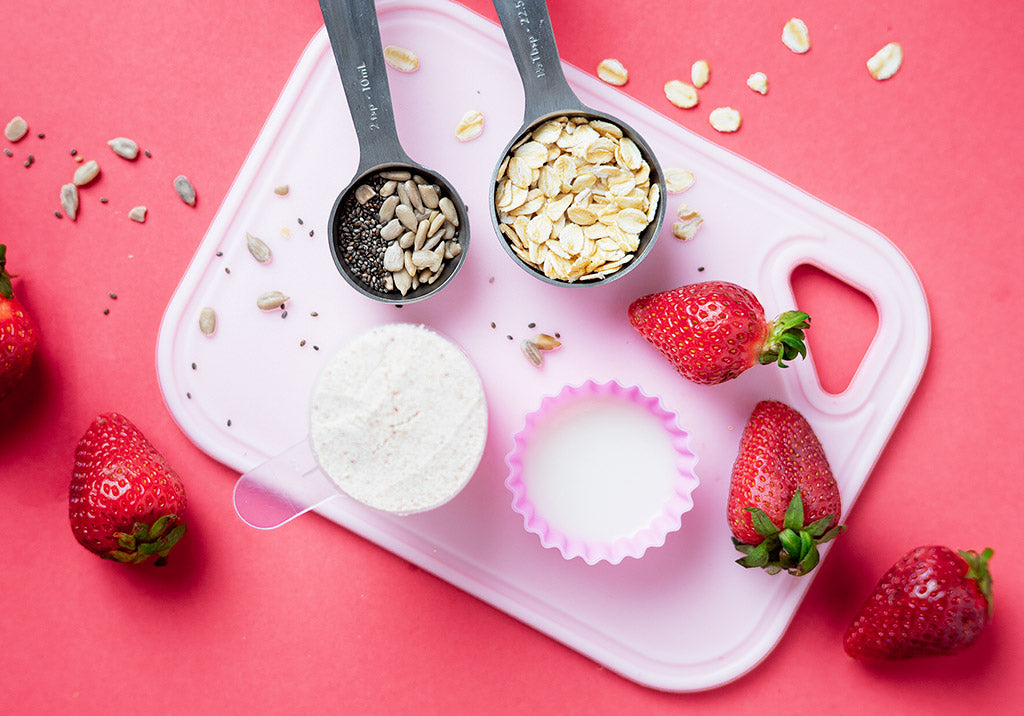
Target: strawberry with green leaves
<point>713,331</point>
<point>783,499</point>
<point>18,335</point>
<point>932,602</point>
<point>126,503</point>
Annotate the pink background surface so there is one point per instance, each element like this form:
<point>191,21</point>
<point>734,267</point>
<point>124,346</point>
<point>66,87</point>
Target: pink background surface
<point>311,616</point>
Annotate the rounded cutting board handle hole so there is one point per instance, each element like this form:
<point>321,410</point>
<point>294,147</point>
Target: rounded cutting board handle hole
<point>844,321</point>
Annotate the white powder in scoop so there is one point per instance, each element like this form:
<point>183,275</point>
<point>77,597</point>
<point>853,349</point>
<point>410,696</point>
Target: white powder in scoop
<point>399,419</point>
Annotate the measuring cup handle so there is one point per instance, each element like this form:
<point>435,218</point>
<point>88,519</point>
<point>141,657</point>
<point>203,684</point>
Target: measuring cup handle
<point>282,488</point>
<point>527,28</point>
<point>355,39</point>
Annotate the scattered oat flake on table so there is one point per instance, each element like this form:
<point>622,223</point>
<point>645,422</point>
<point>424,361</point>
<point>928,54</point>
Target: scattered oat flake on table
<point>470,126</point>
<point>725,119</point>
<point>612,71</point>
<point>678,180</point>
<point>16,128</point>
<point>681,94</point>
<point>795,36</point>
<point>689,221</point>
<point>884,63</point>
<point>758,82</point>
<point>699,73</point>
<point>401,59</point>
<point>281,190</point>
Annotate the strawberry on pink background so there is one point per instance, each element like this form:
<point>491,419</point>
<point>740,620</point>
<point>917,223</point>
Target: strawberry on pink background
<point>713,331</point>
<point>126,503</point>
<point>18,334</point>
<point>783,498</point>
<point>932,602</point>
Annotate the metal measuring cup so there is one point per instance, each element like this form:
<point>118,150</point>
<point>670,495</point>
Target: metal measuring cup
<point>355,38</point>
<point>527,28</point>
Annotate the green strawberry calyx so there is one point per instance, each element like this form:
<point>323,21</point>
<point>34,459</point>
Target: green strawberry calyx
<point>785,339</point>
<point>145,541</point>
<point>793,547</point>
<point>5,278</point>
<point>977,569</point>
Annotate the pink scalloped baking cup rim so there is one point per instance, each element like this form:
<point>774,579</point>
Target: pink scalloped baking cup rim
<point>663,523</point>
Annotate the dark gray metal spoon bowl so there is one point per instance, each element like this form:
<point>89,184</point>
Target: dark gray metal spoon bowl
<point>355,38</point>
<point>527,28</point>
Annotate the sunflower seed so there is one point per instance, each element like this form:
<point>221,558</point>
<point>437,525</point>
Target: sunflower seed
<point>532,352</point>
<point>387,209</point>
<point>185,190</point>
<point>393,258</point>
<point>388,188</point>
<point>396,175</point>
<point>207,321</point>
<point>271,300</point>
<point>364,193</point>
<point>124,147</point>
<point>258,248</point>
<point>86,173</point>
<point>16,129</point>
<point>69,200</point>
<point>448,209</point>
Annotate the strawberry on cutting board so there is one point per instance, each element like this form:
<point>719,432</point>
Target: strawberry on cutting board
<point>126,503</point>
<point>713,331</point>
<point>932,602</point>
<point>783,498</point>
<point>18,335</point>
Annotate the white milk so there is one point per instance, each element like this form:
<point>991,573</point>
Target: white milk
<point>600,468</point>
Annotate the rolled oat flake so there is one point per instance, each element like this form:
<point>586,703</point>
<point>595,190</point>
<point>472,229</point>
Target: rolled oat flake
<point>16,129</point>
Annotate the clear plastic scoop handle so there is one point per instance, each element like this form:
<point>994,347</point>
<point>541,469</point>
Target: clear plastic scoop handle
<point>282,488</point>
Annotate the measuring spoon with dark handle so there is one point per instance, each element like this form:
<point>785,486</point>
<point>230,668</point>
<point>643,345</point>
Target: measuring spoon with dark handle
<point>355,38</point>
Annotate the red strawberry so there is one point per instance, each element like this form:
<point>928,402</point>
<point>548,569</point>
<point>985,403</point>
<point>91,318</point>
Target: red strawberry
<point>783,499</point>
<point>127,503</point>
<point>18,335</point>
<point>713,331</point>
<point>933,601</point>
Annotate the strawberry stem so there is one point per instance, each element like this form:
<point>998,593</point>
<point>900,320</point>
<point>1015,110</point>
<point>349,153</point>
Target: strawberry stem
<point>5,278</point>
<point>977,569</point>
<point>785,339</point>
<point>794,548</point>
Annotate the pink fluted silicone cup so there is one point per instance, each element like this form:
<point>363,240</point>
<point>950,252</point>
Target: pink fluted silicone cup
<point>664,518</point>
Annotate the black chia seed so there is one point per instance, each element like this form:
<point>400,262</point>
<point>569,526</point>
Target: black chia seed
<point>302,343</point>
<point>106,311</point>
<point>58,215</point>
<point>188,395</point>
<point>112,295</point>
<point>8,152</point>
<point>148,155</point>
<point>229,422</point>
<point>357,240</point>
<point>493,324</point>
<point>300,222</point>
<point>41,135</point>
<point>104,200</point>
<point>531,325</point>
<point>284,314</point>
<point>700,268</point>
<point>30,161</point>
<point>74,152</point>
<point>193,366</point>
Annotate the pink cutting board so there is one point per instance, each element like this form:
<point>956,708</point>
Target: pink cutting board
<point>682,618</point>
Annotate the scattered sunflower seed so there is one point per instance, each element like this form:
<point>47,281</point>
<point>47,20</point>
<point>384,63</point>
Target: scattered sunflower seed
<point>124,147</point>
<point>138,214</point>
<point>86,173</point>
<point>16,129</point>
<point>364,193</point>
<point>258,248</point>
<point>207,321</point>
<point>281,190</point>
<point>271,300</point>
<point>532,352</point>
<point>69,200</point>
<point>185,190</point>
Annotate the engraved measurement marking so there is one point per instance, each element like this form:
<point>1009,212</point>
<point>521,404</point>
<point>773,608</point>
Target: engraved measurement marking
<point>524,20</point>
<point>365,87</point>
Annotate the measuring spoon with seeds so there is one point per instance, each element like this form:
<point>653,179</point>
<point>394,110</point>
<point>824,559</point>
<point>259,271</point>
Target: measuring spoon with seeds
<point>549,102</point>
<point>385,168</point>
